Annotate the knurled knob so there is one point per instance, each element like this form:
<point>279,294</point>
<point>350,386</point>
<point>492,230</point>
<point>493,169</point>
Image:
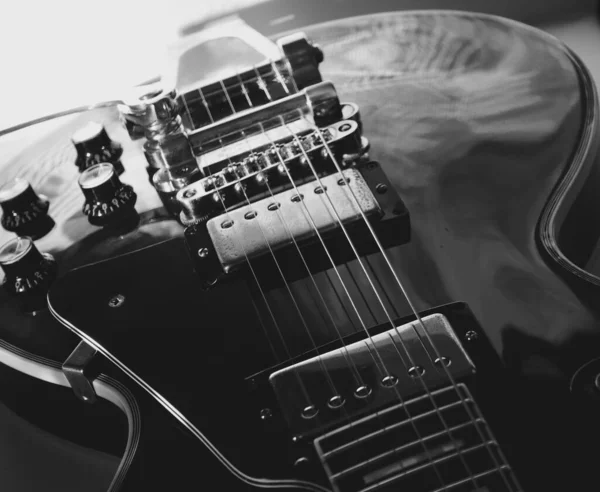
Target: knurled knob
<point>28,273</point>
<point>108,202</point>
<point>93,146</point>
<point>24,212</point>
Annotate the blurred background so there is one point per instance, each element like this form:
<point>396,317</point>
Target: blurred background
<point>56,54</point>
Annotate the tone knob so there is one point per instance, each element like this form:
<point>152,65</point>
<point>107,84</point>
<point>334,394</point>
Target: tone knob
<point>23,211</point>
<point>94,146</point>
<point>108,202</point>
<point>28,273</point>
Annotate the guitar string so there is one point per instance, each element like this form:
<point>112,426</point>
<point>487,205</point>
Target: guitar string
<point>266,241</point>
<point>425,387</point>
<point>310,407</point>
<point>233,109</point>
<point>415,312</point>
<point>420,440</point>
<point>388,374</point>
<point>347,357</point>
<point>413,365</point>
<point>262,293</point>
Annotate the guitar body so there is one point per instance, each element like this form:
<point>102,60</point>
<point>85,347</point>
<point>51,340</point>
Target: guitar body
<point>487,129</point>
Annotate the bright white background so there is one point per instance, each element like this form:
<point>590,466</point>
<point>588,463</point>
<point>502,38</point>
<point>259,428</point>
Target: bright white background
<point>59,53</point>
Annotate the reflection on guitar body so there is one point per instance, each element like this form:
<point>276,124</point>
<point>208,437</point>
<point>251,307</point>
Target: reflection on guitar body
<point>321,271</point>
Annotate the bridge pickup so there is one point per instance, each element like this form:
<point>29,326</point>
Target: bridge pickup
<point>294,215</point>
<point>268,234</point>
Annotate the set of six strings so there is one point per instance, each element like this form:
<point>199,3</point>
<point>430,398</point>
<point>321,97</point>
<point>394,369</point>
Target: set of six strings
<point>338,399</point>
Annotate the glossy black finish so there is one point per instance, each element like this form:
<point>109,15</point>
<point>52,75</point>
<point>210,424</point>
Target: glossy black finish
<point>478,123</point>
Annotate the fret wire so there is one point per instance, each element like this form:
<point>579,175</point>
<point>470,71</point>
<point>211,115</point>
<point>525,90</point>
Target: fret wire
<point>400,284</point>
<point>301,147</point>
<point>436,461</point>
<point>379,432</point>
<point>499,469</point>
<point>403,447</point>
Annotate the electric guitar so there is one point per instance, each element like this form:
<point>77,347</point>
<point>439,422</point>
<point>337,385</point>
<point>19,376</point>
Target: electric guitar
<point>356,259</point>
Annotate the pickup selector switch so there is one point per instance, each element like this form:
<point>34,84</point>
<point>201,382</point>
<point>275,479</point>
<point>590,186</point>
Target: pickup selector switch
<point>24,212</point>
<point>108,202</point>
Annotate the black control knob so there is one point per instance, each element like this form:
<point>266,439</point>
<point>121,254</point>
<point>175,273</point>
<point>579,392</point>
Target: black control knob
<point>23,211</point>
<point>28,273</point>
<point>108,202</point>
<point>94,146</point>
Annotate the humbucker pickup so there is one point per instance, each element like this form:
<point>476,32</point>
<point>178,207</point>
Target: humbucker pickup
<point>302,230</point>
<point>380,365</point>
<point>295,215</point>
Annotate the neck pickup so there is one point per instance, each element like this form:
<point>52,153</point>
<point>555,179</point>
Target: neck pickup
<point>438,441</point>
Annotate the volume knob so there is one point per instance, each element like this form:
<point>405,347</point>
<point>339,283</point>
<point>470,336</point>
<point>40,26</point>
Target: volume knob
<point>93,146</point>
<point>108,202</point>
<point>28,273</point>
<point>23,211</point>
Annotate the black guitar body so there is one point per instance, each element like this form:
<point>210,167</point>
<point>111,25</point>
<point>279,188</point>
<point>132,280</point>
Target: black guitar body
<point>487,130</point>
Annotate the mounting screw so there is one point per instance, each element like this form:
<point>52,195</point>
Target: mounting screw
<point>116,301</point>
<point>189,193</point>
<point>471,336</point>
<point>303,460</point>
<point>265,414</point>
<point>203,252</point>
<point>381,188</point>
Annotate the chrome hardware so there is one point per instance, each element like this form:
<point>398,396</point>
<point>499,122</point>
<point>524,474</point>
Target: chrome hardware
<point>223,184</point>
<point>75,369</point>
<point>319,103</point>
<point>373,392</point>
<point>116,301</point>
<point>243,238</point>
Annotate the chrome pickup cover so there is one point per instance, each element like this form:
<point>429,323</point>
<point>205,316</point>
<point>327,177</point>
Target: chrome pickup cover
<point>391,347</point>
<point>271,223</point>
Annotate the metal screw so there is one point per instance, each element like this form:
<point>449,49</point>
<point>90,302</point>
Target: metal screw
<point>345,127</point>
<point>381,188</point>
<point>203,252</point>
<point>189,193</point>
<point>471,336</point>
<point>116,301</point>
<point>303,460</point>
<point>265,414</point>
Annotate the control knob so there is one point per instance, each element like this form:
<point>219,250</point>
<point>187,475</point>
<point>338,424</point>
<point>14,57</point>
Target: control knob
<point>94,146</point>
<point>28,273</point>
<point>108,202</point>
<point>23,211</point>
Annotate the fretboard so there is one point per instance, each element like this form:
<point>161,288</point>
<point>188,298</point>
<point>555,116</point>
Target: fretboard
<point>437,442</point>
